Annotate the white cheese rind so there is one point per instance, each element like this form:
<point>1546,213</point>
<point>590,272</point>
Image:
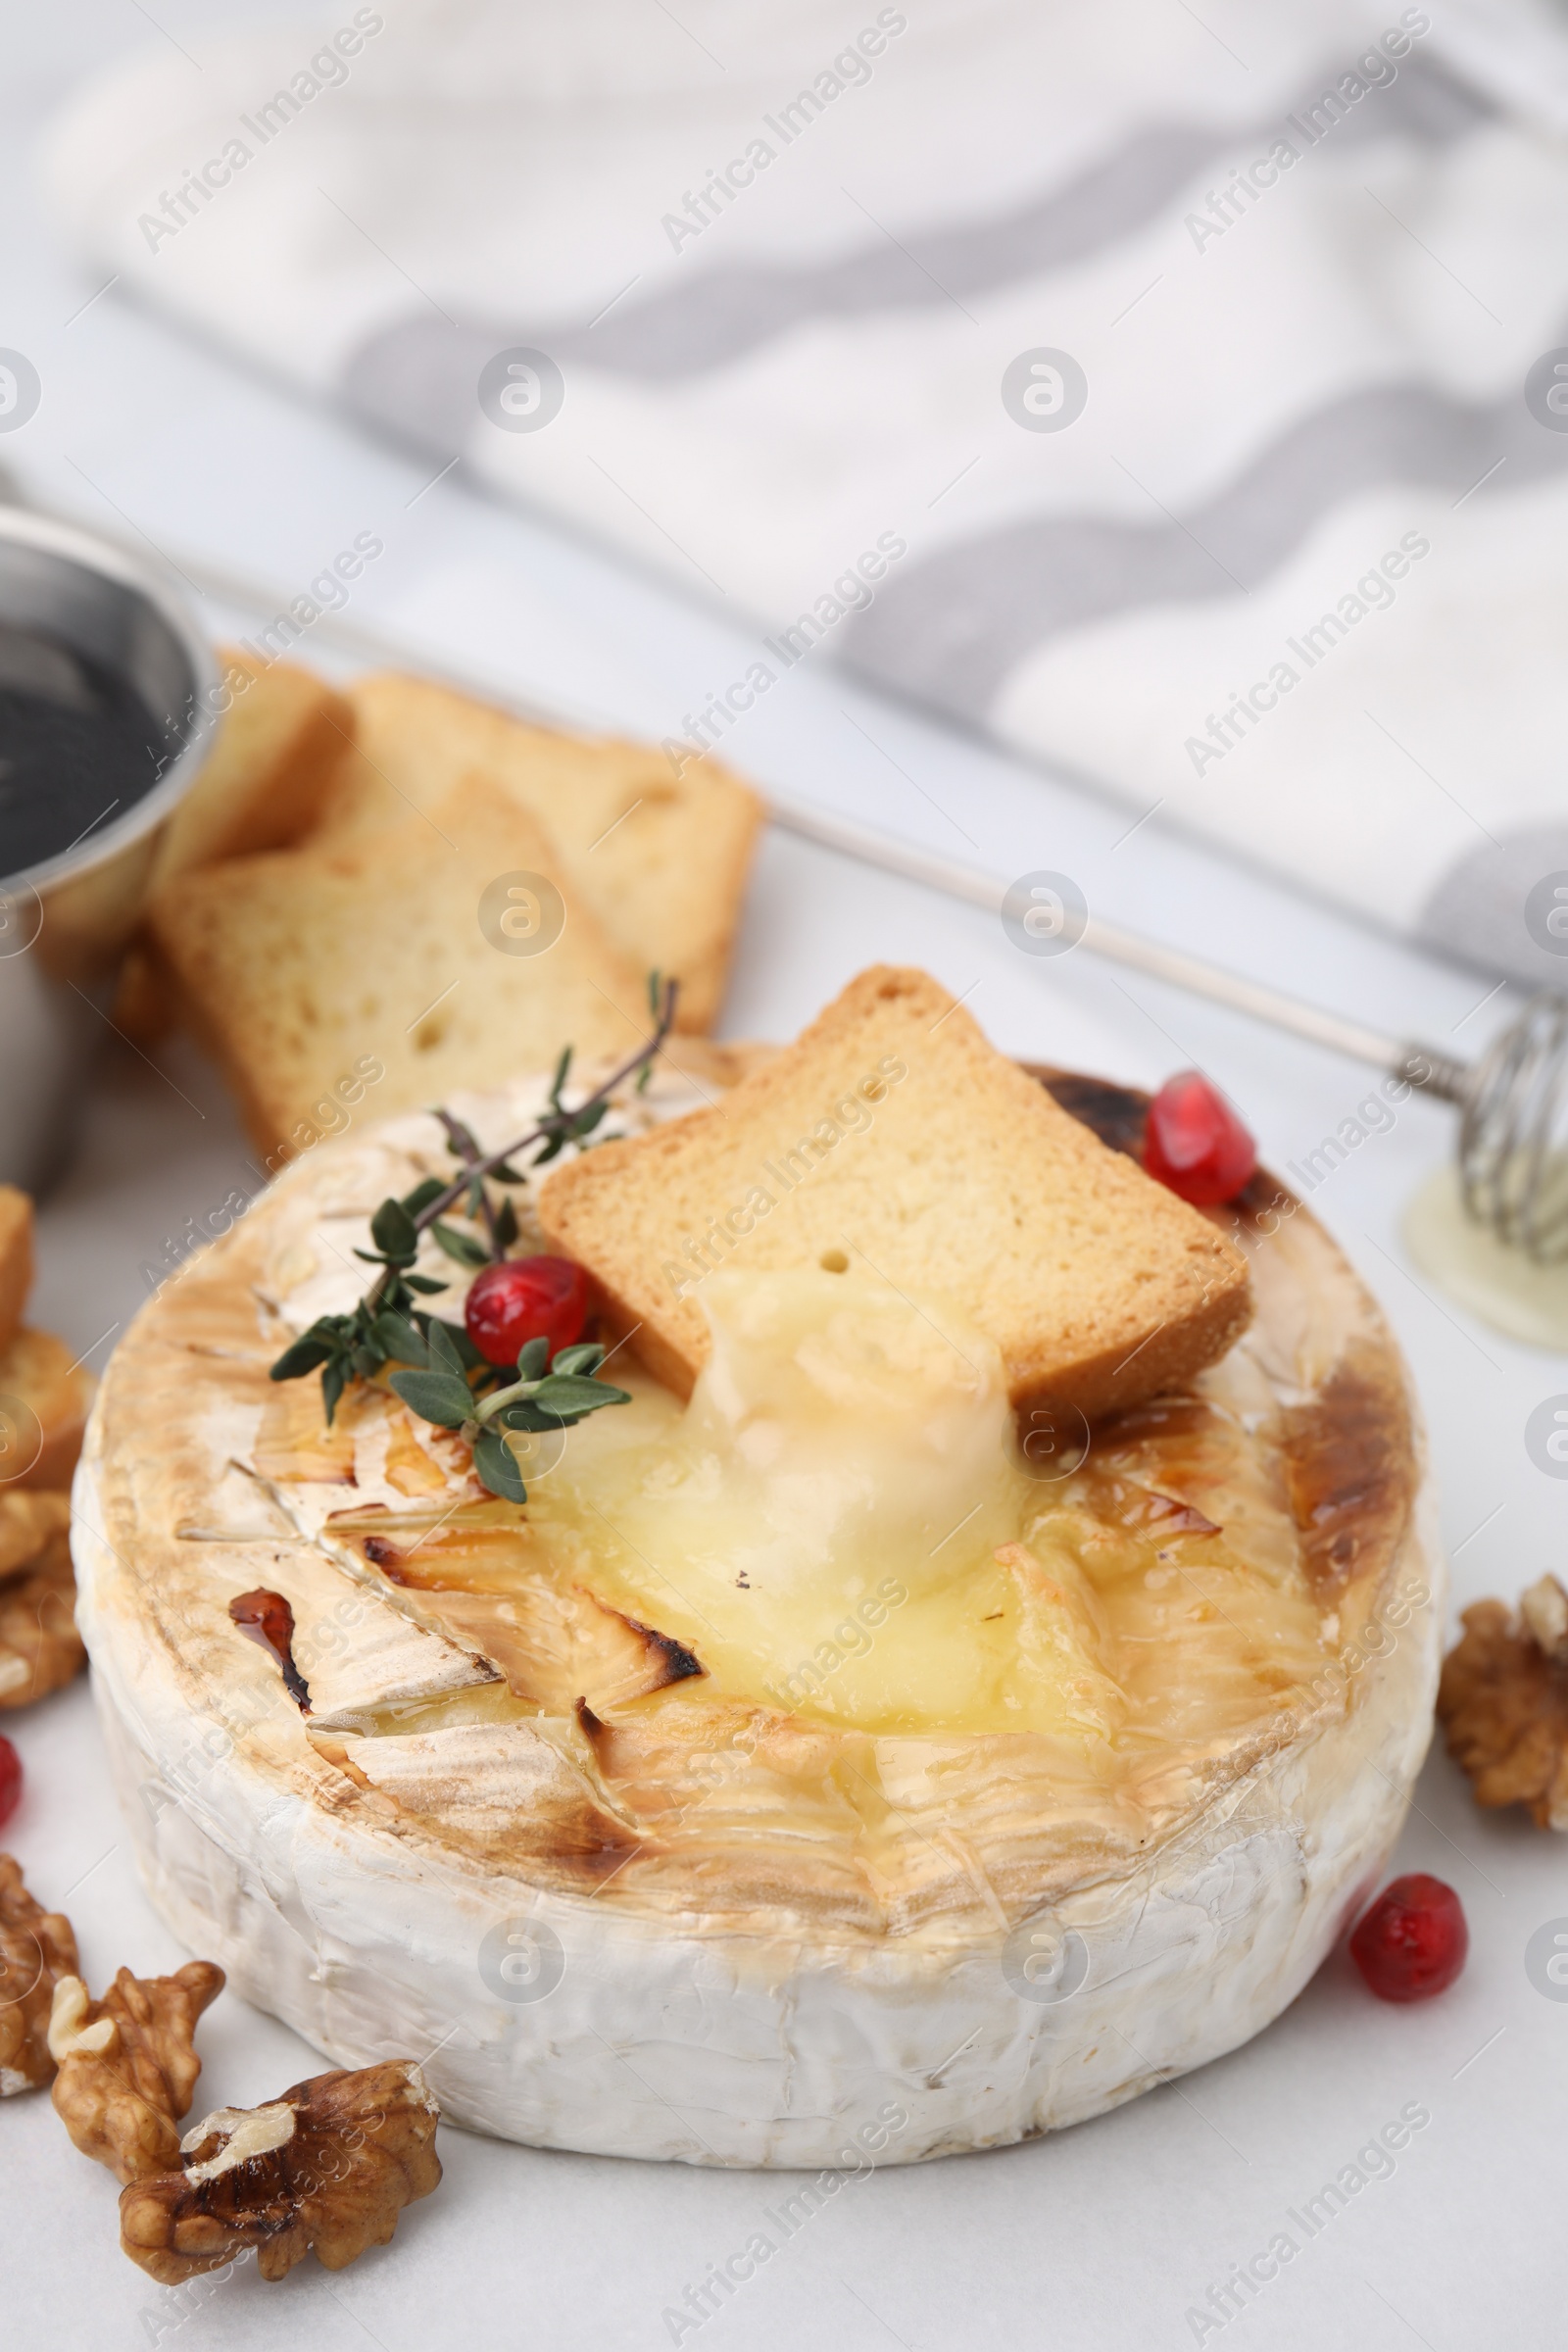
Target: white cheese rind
<point>760,2037</point>
<point>718,2048</point>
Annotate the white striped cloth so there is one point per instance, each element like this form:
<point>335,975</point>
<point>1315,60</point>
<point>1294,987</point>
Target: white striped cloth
<point>1170,390</point>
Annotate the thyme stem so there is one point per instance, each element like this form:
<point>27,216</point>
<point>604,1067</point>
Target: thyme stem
<point>499,1399</point>
<point>465,1148</point>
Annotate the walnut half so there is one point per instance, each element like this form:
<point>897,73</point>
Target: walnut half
<point>36,1949</point>
<point>41,1649</point>
<point>330,2165</point>
<point>1503,1703</point>
<point>128,2066</point>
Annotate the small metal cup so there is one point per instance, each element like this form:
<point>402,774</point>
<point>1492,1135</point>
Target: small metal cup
<point>65,922</point>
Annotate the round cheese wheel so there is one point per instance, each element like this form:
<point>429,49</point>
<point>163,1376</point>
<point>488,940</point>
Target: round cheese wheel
<point>610,1903</point>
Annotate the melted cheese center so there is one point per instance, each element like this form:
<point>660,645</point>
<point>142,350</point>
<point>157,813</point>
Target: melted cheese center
<point>840,1524</point>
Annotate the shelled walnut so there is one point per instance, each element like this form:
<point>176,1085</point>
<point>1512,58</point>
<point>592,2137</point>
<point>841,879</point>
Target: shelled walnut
<point>1503,1702</point>
<point>329,2166</point>
<point>36,1949</point>
<point>127,2064</point>
<point>41,1649</point>
<point>26,1523</point>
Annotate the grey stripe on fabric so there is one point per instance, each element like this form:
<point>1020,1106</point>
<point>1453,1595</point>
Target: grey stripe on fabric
<point>685,329</point>
<point>1487,909</point>
<point>951,630</point>
<point>418,380</point>
<point>415,377</point>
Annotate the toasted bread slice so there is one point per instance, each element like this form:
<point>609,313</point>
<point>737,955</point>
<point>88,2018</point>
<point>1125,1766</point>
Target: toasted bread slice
<point>662,859</point>
<point>45,1397</point>
<point>893,1138</point>
<point>144,1007</point>
<point>16,1260</point>
<point>263,787</point>
<point>312,973</point>
<point>263,784</point>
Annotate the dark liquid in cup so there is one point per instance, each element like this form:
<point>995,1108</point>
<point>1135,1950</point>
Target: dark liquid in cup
<point>77,748</point>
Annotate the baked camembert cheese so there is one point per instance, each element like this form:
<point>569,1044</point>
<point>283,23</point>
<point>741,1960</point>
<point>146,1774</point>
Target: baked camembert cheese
<point>824,1745</point>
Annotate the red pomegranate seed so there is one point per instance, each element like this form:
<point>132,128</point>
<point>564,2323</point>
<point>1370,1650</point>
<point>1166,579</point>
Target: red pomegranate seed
<point>525,1298</point>
<point>1413,1942</point>
<point>10,1780</point>
<point>1196,1144</point>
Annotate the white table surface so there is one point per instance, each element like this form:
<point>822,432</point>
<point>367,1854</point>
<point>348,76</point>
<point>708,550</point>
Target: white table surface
<point>1101,2238</point>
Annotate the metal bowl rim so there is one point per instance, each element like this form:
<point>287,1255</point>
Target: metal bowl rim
<point>76,546</point>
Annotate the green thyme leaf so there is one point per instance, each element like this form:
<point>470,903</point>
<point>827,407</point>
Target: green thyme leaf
<point>533,1357</point>
<point>430,1189</point>
<point>656,996</point>
<point>468,1356</point>
<point>402,1339</point>
<point>585,1357</point>
<point>444,1356</point>
<point>393,1230</point>
<point>506,1225</point>
<point>438,1396</point>
<point>423,1284</point>
<point>496,1467</point>
<point>303,1356</point>
<point>524,1415</point>
<point>460,1246</point>
<point>335,1380</point>
<point>567,1394</point>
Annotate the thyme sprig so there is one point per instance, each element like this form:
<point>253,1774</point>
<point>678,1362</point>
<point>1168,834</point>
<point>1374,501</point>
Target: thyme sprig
<point>558,1126</point>
<point>449,1382</point>
<point>546,1395</point>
